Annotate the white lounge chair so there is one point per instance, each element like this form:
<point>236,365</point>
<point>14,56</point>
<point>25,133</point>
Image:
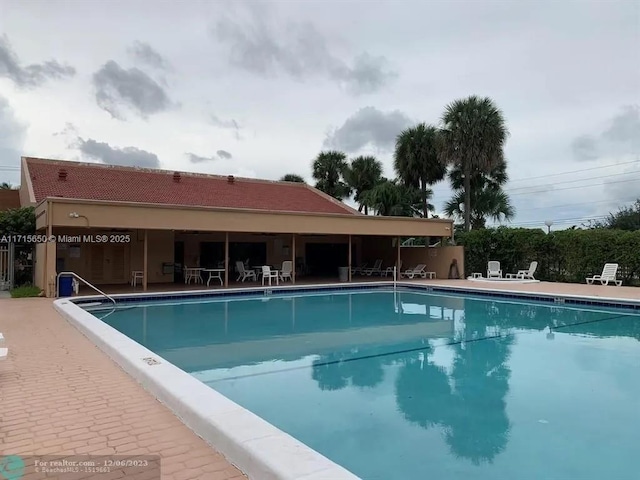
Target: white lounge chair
<point>4,353</point>
<point>419,270</point>
<point>267,273</point>
<point>358,270</point>
<point>243,274</point>
<point>608,274</point>
<point>525,274</point>
<point>376,269</point>
<point>287,270</point>
<point>389,270</point>
<point>493,270</point>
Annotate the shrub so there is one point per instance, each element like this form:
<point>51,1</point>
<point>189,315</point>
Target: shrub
<point>25,291</point>
<point>564,255</point>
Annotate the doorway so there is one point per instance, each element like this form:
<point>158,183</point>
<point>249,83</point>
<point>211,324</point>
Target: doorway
<point>323,259</point>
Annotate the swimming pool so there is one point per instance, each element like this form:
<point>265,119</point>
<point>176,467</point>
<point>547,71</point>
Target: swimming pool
<point>406,384</point>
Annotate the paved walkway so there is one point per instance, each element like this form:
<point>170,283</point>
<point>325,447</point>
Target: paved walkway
<point>583,289</point>
<point>60,395</point>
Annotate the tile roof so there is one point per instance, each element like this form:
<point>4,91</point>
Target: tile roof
<point>94,181</point>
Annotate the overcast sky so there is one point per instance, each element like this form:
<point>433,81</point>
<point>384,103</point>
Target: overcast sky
<point>259,88</point>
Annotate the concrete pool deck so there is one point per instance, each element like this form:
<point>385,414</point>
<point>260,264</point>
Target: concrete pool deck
<point>59,394</point>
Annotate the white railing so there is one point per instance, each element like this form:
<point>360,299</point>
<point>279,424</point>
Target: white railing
<point>82,280</point>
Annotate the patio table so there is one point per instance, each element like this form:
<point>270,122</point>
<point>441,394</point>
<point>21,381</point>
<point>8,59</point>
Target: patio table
<point>214,273</point>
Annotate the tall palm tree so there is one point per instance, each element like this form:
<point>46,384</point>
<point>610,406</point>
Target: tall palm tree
<point>416,160</point>
<point>292,177</point>
<point>328,171</point>
<point>5,186</point>
<point>362,175</point>
<point>473,138</point>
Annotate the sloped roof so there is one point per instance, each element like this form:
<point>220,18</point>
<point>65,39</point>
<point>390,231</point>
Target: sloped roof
<point>94,181</point>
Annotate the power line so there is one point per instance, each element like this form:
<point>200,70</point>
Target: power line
<point>558,221</point>
<point>572,205</point>
<point>575,171</point>
<point>573,188</point>
<point>567,181</point>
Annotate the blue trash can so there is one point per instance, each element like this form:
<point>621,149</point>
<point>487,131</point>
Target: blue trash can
<point>66,286</point>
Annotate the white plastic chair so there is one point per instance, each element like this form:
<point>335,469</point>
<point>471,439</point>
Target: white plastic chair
<point>493,270</point>
<point>287,270</point>
<point>243,274</point>
<point>135,276</point>
<point>608,274</point>
<point>267,273</point>
<point>525,274</point>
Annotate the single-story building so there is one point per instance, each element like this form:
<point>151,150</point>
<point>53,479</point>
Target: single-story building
<point>109,221</point>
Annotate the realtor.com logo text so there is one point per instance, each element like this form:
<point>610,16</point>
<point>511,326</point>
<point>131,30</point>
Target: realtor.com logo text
<point>111,238</point>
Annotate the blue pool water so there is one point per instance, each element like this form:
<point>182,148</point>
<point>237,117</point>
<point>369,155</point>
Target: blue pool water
<point>408,385</point>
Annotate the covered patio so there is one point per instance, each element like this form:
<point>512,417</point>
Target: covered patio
<point>128,247</point>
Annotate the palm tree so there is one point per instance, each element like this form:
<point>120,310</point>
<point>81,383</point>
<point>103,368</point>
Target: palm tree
<point>416,160</point>
<point>488,200</point>
<point>473,140</point>
<point>328,171</point>
<point>487,203</point>
<point>292,177</point>
<point>5,186</point>
<point>363,174</point>
<point>391,198</point>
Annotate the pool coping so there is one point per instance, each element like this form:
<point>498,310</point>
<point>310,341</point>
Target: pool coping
<point>255,446</point>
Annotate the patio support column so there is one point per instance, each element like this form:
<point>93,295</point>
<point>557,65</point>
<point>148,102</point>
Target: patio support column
<point>398,260</point>
<point>226,259</point>
<point>293,258</point>
<point>145,260</point>
<point>349,264</point>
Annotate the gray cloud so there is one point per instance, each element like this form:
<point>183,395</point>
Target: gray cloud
<point>12,136</point>
<point>368,126</point>
<point>621,137</point>
<point>224,154</point>
<point>300,52</point>
<point>585,148</point>
<point>32,75</point>
<point>625,127</point>
<point>144,54</point>
<point>193,158</point>
<point>220,155</point>
<point>229,124</point>
<point>127,156</point>
<point>117,87</point>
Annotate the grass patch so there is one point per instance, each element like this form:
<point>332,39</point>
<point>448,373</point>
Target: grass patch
<point>25,291</point>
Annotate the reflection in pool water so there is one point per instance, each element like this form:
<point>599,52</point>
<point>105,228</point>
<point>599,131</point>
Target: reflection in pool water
<point>410,385</point>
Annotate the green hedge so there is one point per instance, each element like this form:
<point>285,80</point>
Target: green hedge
<point>563,256</point>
